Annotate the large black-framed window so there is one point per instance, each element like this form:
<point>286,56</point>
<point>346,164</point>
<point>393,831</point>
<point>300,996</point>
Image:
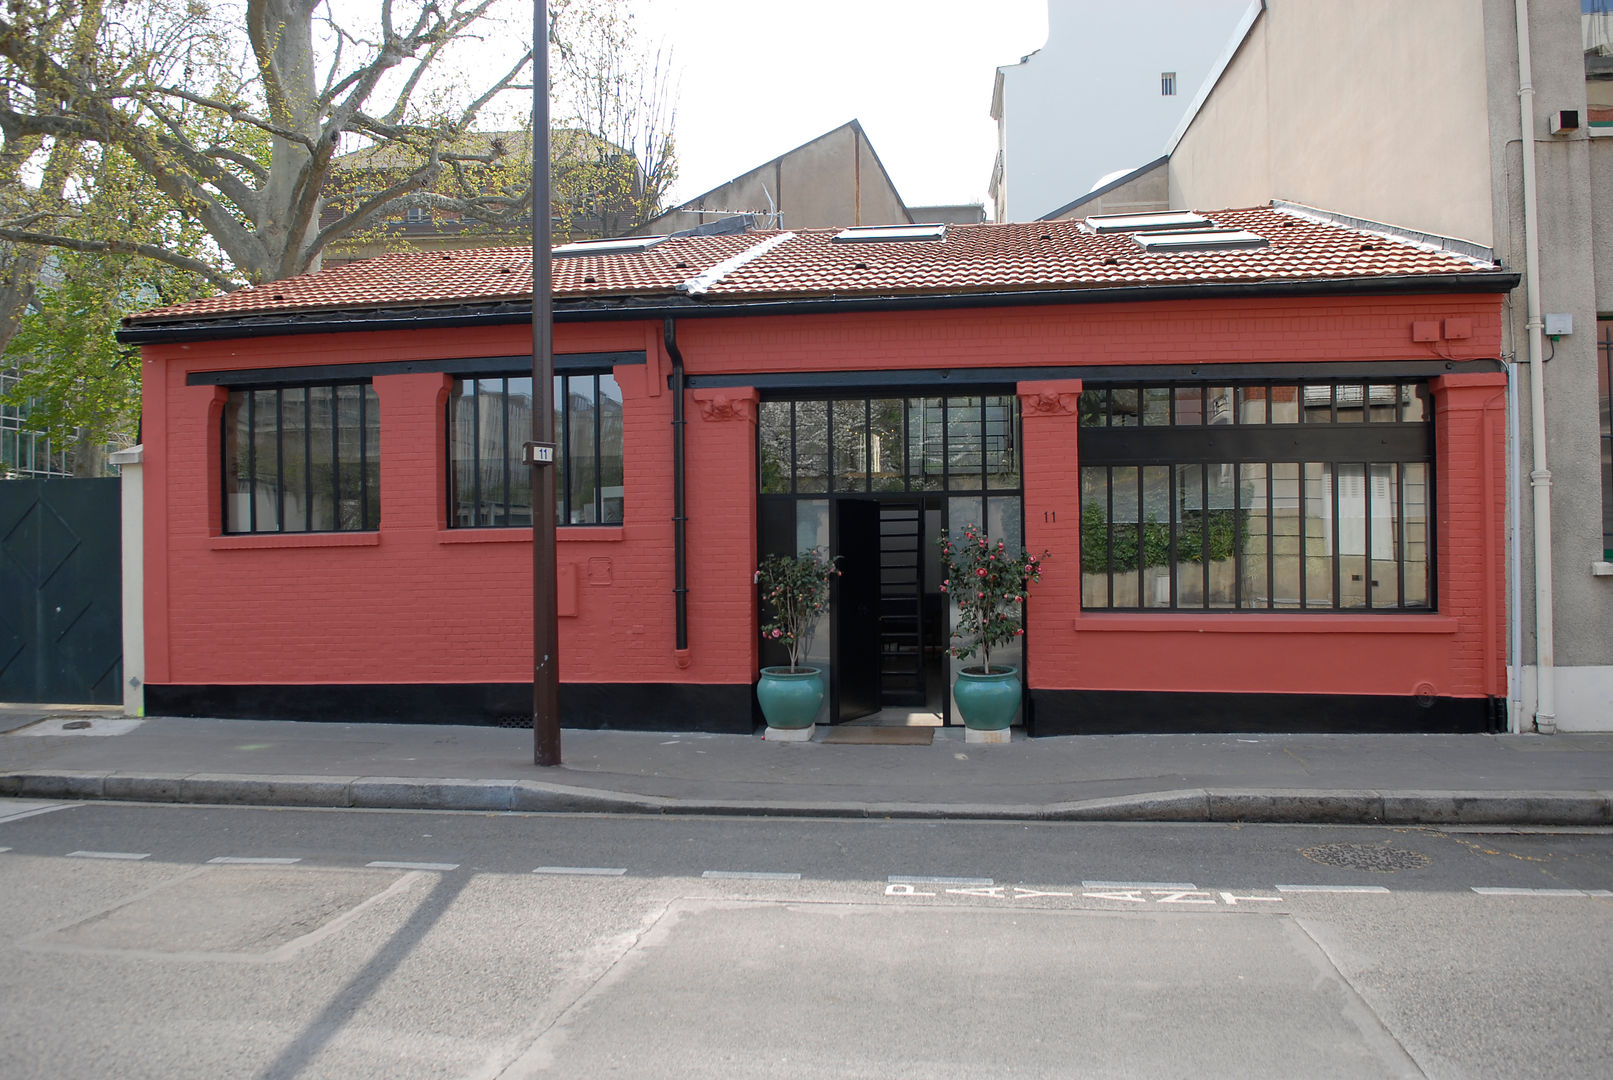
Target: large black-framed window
<point>489,419</point>
<point>302,459</point>
<point>1257,496</point>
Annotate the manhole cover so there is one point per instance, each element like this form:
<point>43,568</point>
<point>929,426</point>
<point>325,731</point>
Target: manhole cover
<point>1380,858</point>
<point>75,725</point>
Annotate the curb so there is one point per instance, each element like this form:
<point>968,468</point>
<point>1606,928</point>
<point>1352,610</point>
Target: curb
<point>1192,805</point>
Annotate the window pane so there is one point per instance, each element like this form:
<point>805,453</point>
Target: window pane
<point>1223,524</point>
<point>294,456</point>
<point>1414,481</point>
<point>964,444</point>
<point>265,470</point>
<point>1189,406</point>
<point>612,492</point>
<point>1189,565</point>
<point>1218,405</point>
<point>1251,404</point>
<point>1002,450</point>
<point>1414,405</point>
<point>462,454</point>
<point>322,456</point>
<point>1318,404</point>
<point>349,508</point>
<point>811,446</point>
<point>1318,523</point>
<point>520,412</point>
<point>1123,549</point>
<point>372,459</point>
<point>928,441</point>
<point>582,464</point>
<point>1284,405</point>
<point>237,476</point>
<point>1156,535</point>
<point>1123,407</point>
<point>1285,516</point>
<point>850,445</point>
<point>773,437</point>
<point>1256,518</point>
<point>1350,399</point>
<point>1094,408</point>
<point>1156,406</point>
<point>889,445</point>
<point>1353,534</point>
<point>1095,536</point>
<point>490,455</point>
<point>1003,521</point>
<point>1381,403</point>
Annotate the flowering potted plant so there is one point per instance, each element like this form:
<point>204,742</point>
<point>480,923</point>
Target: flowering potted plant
<point>989,584</point>
<point>795,590</point>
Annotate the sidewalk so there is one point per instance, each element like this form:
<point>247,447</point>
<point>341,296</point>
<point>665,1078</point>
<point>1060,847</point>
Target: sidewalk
<point>1564,779</point>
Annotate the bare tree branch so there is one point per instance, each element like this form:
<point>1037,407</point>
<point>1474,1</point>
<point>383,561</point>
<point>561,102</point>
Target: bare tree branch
<point>123,247</point>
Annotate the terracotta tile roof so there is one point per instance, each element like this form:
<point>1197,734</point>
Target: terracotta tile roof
<point>1043,255</point>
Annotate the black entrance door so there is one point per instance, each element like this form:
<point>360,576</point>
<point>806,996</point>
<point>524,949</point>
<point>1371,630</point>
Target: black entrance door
<point>855,605</point>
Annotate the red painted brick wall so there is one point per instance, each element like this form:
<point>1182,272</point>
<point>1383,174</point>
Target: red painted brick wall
<point>417,602</point>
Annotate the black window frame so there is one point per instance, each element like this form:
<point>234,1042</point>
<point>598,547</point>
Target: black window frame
<point>515,470</point>
<point>1331,442</point>
<point>1604,373</point>
<point>369,416</point>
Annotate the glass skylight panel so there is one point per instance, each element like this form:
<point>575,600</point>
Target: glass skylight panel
<point>1176,221</point>
<point>867,234</point>
<point>1200,240</point>
<point>615,245</point>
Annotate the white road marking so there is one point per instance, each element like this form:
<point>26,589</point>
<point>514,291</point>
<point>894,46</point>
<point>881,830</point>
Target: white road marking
<point>1374,889</point>
<point>253,860</point>
<point>910,879</point>
<point>1138,885</point>
<point>750,875</point>
<point>132,856</point>
<point>1498,891</point>
<point>16,811</point>
<point>382,864</point>
<point>595,871</point>
<point>2,849</point>
<point>899,889</point>
<point>1233,901</point>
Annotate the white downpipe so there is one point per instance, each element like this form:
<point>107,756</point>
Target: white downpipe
<point>1540,475</point>
<point>1515,720</point>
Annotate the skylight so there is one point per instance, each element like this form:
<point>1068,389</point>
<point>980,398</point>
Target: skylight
<point>614,245</point>
<point>1199,240</point>
<point>870,234</point>
<point>1169,222</point>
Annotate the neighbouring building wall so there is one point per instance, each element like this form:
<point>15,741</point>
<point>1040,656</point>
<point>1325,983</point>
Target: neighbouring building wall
<point>835,180</point>
<point>1345,106</point>
<point>1091,101</point>
<point>1144,191</point>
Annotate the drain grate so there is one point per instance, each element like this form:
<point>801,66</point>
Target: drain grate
<point>1379,858</point>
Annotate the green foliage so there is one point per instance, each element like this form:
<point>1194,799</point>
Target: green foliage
<point>1096,554</point>
<point>795,589</point>
<point>989,585</point>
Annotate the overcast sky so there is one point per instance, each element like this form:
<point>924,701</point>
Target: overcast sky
<point>759,77</point>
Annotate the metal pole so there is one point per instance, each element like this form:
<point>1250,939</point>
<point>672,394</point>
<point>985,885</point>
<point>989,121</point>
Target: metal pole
<point>545,629</point>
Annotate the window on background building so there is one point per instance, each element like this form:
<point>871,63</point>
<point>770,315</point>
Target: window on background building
<point>302,459</point>
<point>1257,497</point>
<point>1167,84</point>
<point>1604,384</point>
<point>488,421</point>
<point>415,215</point>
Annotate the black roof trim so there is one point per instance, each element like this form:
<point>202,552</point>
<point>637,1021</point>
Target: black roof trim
<point>657,307</point>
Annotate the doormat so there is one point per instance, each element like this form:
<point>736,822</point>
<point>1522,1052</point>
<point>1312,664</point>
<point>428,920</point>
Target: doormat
<point>880,736</point>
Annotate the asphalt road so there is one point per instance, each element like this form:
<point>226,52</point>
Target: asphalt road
<point>170,941</point>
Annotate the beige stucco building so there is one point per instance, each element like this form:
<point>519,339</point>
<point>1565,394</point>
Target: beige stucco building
<point>1409,115</point>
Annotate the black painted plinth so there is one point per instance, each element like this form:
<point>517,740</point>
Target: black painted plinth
<point>1142,712</point>
<point>720,707</point>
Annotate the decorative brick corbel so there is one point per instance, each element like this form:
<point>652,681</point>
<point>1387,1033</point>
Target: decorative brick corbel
<point>1059,397</point>
<point>730,403</point>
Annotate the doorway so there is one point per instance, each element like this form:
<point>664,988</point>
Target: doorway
<point>872,481</point>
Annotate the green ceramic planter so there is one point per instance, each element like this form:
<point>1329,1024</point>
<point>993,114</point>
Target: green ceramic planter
<point>988,702</point>
<point>790,696</point>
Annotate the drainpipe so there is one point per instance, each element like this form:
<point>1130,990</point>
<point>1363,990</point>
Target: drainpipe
<point>1540,476</point>
<point>1515,721</point>
<point>680,518</point>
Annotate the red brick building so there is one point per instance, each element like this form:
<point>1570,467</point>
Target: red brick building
<point>1265,451</point>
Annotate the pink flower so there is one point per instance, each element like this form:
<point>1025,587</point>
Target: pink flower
<point>943,586</point>
<point>980,596</point>
<point>981,571</point>
<point>1019,633</point>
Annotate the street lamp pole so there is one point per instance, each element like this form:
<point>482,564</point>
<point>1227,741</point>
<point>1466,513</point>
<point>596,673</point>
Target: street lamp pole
<point>545,628</point>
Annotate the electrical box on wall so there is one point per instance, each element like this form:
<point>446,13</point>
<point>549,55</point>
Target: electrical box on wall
<point>1560,324</point>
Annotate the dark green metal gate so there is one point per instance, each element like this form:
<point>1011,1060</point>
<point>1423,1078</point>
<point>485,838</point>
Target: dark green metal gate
<point>61,605</point>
